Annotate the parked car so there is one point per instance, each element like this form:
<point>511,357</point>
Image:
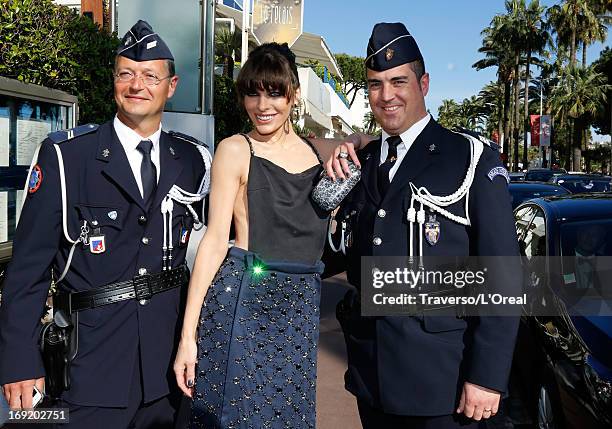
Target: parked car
<point>543,174</point>
<point>523,191</point>
<point>563,362</point>
<point>578,183</point>
<point>516,176</point>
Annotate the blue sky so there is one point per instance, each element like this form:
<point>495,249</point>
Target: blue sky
<point>447,31</point>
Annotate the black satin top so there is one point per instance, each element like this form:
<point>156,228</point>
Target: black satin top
<point>284,223</point>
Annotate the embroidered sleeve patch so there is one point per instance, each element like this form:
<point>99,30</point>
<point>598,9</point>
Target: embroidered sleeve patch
<point>35,179</point>
<point>498,171</point>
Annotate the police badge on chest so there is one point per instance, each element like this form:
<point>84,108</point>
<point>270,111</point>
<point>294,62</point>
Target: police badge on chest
<point>185,233</point>
<point>432,230</point>
<point>97,242</point>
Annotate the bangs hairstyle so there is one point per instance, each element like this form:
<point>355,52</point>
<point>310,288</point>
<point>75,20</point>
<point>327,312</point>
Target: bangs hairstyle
<point>270,67</point>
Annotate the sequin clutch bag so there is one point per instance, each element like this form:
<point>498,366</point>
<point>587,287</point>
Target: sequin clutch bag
<point>328,194</point>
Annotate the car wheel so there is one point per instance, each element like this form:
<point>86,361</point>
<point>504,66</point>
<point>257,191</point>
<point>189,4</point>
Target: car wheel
<point>546,417</point>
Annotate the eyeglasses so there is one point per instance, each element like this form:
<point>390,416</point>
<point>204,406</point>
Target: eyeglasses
<point>149,79</point>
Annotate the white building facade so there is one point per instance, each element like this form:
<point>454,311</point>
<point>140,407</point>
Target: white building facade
<point>324,111</point>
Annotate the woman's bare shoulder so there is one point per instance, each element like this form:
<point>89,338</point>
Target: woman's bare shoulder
<point>235,145</point>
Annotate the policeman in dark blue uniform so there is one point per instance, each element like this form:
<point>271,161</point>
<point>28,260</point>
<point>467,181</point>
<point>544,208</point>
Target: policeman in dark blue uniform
<point>109,210</point>
<point>427,370</point>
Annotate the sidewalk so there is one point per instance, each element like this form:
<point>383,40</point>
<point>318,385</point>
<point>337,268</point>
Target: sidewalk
<point>336,408</point>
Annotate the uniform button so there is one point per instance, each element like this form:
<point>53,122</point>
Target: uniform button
<point>94,222</point>
<point>145,240</point>
<point>142,219</point>
<point>143,302</point>
<point>382,213</point>
<point>142,271</point>
<point>377,241</point>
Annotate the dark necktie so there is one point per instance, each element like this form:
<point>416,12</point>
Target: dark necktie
<point>385,167</point>
<point>148,172</point>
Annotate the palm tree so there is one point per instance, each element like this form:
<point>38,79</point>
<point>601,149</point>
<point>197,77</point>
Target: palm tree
<point>536,39</point>
<point>491,99</point>
<point>580,94</point>
<point>568,19</point>
<point>592,27</point>
<point>228,44</point>
<point>515,34</point>
<point>370,125</point>
<point>468,114</point>
<point>497,55</point>
<point>448,114</point>
<point>471,114</point>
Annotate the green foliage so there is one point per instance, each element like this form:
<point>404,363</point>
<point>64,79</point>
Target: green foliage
<point>52,46</point>
<point>303,131</point>
<point>604,65</point>
<point>311,63</point>
<point>370,125</point>
<point>354,74</point>
<point>468,114</point>
<point>228,45</point>
<point>319,70</point>
<point>230,116</point>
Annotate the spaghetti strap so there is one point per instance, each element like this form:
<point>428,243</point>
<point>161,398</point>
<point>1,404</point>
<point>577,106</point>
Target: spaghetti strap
<point>314,149</point>
<point>250,144</point>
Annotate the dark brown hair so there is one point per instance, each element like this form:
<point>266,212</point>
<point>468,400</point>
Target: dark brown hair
<point>270,67</point>
<point>418,67</point>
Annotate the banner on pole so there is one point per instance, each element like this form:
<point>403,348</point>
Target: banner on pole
<point>535,130</point>
<point>545,129</point>
<point>540,130</point>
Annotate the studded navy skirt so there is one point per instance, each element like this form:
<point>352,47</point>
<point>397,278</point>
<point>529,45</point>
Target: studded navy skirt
<point>257,345</point>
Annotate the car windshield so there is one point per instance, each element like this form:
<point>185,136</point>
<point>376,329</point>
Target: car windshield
<point>585,185</point>
<point>586,276</point>
<point>539,176</point>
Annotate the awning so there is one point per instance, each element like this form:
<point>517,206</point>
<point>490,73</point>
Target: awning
<point>313,47</point>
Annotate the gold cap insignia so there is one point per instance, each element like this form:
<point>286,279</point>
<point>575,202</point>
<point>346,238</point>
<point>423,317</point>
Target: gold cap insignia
<point>389,54</point>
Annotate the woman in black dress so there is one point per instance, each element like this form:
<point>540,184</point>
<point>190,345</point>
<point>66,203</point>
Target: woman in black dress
<point>247,354</point>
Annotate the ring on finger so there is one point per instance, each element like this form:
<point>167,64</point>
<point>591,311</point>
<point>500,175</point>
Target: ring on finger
<point>343,155</point>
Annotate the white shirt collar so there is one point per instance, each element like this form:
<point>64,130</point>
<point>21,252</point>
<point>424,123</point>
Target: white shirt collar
<point>408,136</point>
<point>130,138</point>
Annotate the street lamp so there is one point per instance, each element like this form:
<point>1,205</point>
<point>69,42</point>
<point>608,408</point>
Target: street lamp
<point>543,148</point>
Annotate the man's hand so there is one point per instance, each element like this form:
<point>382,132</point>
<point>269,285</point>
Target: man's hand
<point>478,402</point>
<point>19,394</point>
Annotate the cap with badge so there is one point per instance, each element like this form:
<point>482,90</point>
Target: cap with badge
<point>141,43</point>
<point>391,45</point>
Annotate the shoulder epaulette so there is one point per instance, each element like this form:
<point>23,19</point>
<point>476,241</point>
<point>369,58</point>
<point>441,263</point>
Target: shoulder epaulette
<point>65,135</point>
<point>480,137</point>
<point>187,138</point>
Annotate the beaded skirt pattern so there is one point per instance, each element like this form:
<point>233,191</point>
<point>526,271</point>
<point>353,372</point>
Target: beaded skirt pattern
<point>257,345</point>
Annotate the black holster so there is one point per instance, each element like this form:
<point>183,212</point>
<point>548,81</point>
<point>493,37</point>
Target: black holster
<point>58,345</point>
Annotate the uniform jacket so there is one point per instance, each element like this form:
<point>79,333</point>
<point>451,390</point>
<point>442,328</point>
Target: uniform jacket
<point>99,181</point>
<point>417,365</point>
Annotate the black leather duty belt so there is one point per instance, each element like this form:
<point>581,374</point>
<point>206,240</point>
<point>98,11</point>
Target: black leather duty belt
<point>141,287</point>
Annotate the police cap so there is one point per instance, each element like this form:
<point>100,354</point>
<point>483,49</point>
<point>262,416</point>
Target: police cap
<point>391,45</point>
<point>141,43</point>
